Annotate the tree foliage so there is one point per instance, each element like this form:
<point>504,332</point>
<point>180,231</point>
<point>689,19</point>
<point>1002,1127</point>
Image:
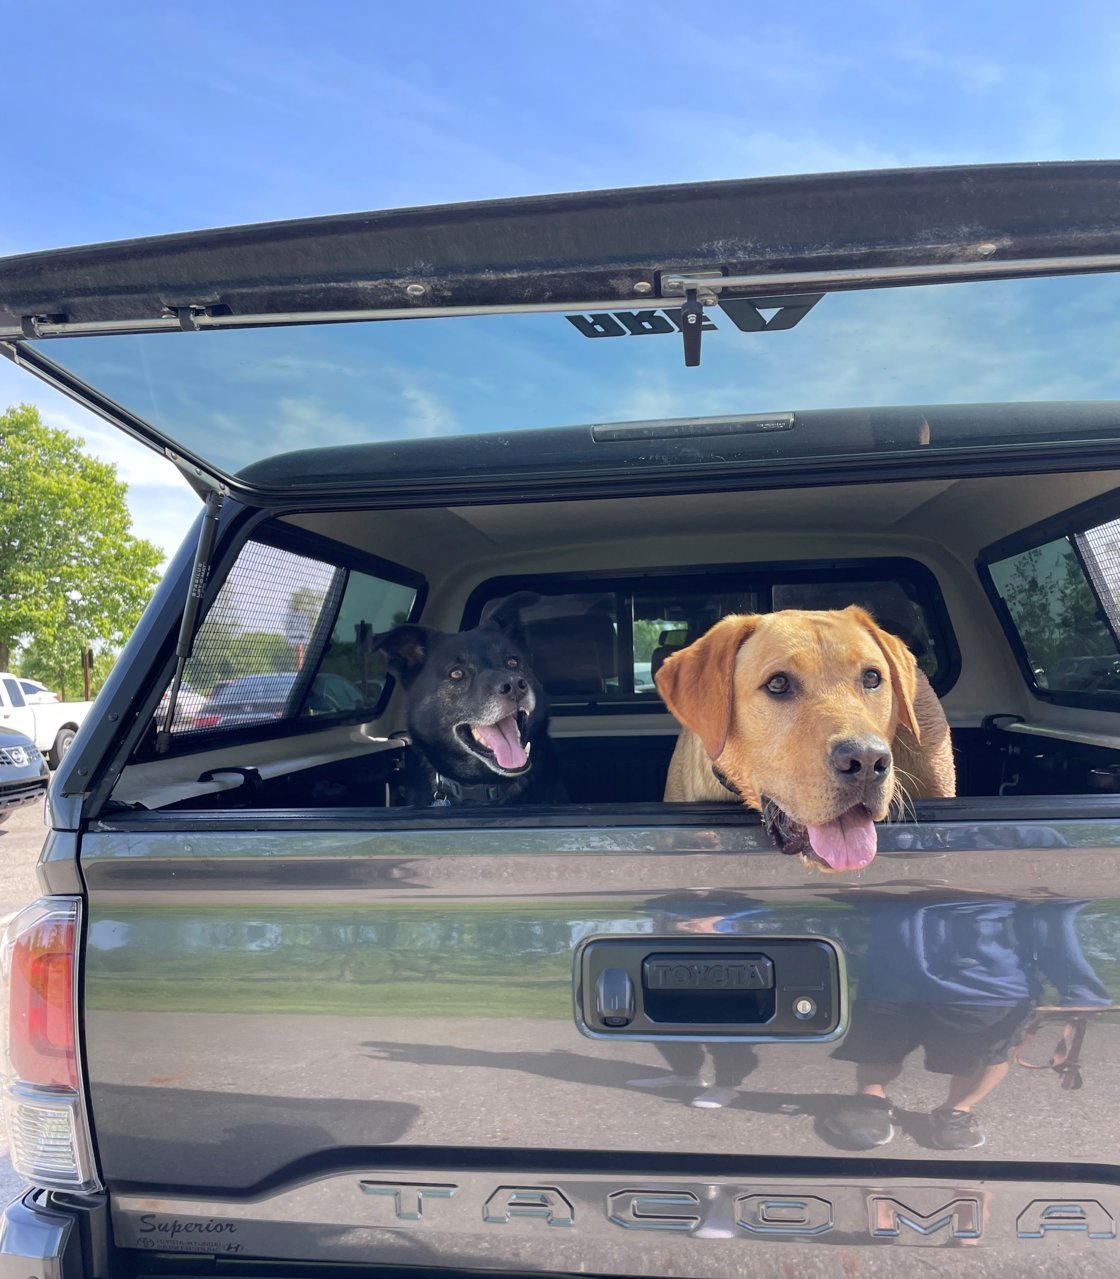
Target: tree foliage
<point>71,570</point>
<point>1053,607</point>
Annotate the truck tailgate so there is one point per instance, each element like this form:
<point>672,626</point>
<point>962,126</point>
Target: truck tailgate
<point>368,1048</point>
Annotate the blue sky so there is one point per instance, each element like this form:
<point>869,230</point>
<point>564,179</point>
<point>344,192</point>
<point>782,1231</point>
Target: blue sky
<point>130,119</point>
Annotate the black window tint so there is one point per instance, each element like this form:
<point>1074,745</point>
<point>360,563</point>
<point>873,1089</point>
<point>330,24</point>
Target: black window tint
<point>1061,623</point>
<point>895,605</point>
<point>15,692</point>
<point>669,619</point>
<point>601,639</point>
<point>573,639</point>
<point>351,673</point>
<point>288,635</point>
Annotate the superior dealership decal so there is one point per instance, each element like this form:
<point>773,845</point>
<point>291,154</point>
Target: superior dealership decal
<point>617,1225</point>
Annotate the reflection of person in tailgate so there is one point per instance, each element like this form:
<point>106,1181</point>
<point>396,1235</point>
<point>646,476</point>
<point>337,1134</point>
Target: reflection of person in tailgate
<point>713,1072</point>
<point>958,979</point>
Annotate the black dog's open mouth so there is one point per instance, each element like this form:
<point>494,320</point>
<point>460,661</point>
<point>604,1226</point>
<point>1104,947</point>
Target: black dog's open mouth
<point>848,842</point>
<point>501,745</point>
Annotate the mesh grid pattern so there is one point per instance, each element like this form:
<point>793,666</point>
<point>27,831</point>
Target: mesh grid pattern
<point>1100,549</point>
<point>255,654</point>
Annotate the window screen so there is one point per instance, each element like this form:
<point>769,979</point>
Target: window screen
<point>1063,626</point>
<point>288,636</point>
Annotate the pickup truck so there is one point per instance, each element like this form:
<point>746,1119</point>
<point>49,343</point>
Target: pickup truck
<point>269,1020</point>
<point>50,725</point>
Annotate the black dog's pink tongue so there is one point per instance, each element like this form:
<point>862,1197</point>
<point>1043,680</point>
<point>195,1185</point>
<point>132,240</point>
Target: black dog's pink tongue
<point>504,740</point>
<point>849,842</point>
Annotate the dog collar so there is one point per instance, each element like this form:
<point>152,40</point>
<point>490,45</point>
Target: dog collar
<point>447,791</point>
<point>722,779</point>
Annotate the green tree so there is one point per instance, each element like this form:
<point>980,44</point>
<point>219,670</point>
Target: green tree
<point>71,570</point>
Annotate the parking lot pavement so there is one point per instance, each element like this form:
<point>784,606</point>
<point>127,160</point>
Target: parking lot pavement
<point>21,837</point>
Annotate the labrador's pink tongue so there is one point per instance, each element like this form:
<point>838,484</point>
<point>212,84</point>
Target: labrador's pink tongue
<point>505,741</point>
<point>847,843</point>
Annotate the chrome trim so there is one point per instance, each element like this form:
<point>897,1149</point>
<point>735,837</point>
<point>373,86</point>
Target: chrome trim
<point>38,1240</point>
<point>632,1223</point>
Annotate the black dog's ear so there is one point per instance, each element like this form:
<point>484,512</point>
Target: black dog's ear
<point>405,647</point>
<point>506,615</point>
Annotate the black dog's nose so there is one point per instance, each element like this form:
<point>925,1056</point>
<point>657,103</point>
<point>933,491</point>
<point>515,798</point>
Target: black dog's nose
<point>514,687</point>
<point>862,758</point>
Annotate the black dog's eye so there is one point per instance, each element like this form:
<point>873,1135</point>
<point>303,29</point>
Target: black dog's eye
<point>456,672</point>
<point>872,678</point>
<point>512,663</point>
<point>778,685</point>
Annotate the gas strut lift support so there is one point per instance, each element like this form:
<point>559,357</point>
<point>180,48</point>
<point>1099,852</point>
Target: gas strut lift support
<point>200,574</point>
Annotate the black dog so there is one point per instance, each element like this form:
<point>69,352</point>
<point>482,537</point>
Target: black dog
<point>477,715</point>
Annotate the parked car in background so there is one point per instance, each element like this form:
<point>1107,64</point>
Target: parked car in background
<point>51,725</point>
<point>36,692</point>
<point>23,772</point>
<point>268,696</point>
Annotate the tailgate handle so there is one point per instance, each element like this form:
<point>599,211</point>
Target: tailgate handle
<point>673,987</point>
<point>614,998</point>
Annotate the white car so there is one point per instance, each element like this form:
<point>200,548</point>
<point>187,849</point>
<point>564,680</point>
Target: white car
<point>34,692</point>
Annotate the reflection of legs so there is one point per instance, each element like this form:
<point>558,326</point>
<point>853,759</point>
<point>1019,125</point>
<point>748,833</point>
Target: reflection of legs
<point>953,1126</point>
<point>732,1063</point>
<point>965,1091</point>
<point>682,1057</point>
<point>971,1045</point>
<point>865,1121</point>
<point>872,1077</point>
<point>684,1060</point>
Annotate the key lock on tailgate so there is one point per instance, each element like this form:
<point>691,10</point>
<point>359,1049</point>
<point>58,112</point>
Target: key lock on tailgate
<point>777,989</point>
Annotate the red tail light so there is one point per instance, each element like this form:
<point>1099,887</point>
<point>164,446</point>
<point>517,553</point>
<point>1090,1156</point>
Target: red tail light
<point>44,1103</point>
<point>41,1047</point>
<point>207,721</point>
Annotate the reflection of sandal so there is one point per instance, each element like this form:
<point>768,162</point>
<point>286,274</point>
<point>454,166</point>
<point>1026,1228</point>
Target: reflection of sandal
<point>713,1098</point>
<point>955,1130</point>
<point>862,1121</point>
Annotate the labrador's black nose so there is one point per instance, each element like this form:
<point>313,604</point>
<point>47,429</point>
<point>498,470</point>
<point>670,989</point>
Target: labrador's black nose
<point>864,759</point>
<point>516,688</point>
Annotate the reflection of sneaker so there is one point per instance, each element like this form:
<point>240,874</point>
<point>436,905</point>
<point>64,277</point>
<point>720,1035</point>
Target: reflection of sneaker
<point>862,1121</point>
<point>713,1098</point>
<point>955,1130</point>
<point>667,1081</point>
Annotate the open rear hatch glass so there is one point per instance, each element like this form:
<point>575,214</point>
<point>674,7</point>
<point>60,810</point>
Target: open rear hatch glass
<point>706,326</point>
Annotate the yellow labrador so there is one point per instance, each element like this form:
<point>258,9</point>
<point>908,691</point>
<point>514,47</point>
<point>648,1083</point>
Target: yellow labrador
<point>819,719</point>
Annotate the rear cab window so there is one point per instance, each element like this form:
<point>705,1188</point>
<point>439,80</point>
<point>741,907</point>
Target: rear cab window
<point>600,641</point>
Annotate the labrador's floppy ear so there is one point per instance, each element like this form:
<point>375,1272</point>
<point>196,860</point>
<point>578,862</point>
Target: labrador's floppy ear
<point>903,667</point>
<point>406,649</point>
<point>698,682</point>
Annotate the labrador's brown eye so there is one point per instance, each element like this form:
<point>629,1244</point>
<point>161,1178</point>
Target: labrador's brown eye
<point>456,672</point>
<point>872,678</point>
<point>777,685</point>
